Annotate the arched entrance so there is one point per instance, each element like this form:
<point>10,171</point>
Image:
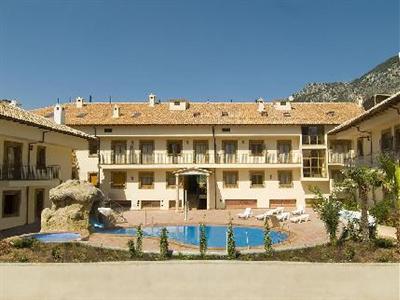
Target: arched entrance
<point>196,188</point>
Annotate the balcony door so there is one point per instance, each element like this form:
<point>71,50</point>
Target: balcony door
<point>119,152</point>
<point>12,160</point>
<point>147,152</point>
<point>230,151</point>
<point>284,148</point>
<point>174,149</point>
<point>200,152</point>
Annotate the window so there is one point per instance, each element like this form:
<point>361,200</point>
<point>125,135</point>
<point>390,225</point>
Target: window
<point>386,141</point>
<point>313,135</point>
<point>118,180</point>
<point>230,179</point>
<point>92,178</point>
<point>224,114</point>
<point>397,138</point>
<point>284,148</point>
<point>174,147</point>
<point>146,180</point>
<point>256,148</point>
<point>177,103</point>
<point>314,163</point>
<point>257,179</point>
<point>107,130</point>
<point>360,147</point>
<point>285,179</point>
<point>93,146</point>
<point>119,148</point>
<point>41,157</point>
<point>171,180</point>
<point>226,129</point>
<point>11,203</point>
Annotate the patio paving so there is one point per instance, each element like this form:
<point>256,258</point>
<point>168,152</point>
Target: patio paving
<point>300,235</point>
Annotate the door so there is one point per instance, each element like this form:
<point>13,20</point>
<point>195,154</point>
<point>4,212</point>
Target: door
<point>230,150</point>
<point>119,152</point>
<point>284,148</point>
<point>13,160</point>
<point>41,157</point>
<point>93,178</point>
<point>174,149</point>
<point>147,152</point>
<point>39,203</point>
<point>200,152</point>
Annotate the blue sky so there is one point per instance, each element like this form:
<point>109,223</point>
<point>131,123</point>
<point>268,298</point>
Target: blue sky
<point>199,50</point>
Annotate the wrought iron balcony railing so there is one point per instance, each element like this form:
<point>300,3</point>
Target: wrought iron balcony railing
<point>12,172</point>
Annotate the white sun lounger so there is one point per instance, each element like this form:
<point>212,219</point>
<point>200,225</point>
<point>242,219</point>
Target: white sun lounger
<point>266,214</point>
<point>279,210</point>
<point>299,211</point>
<point>283,216</point>
<point>246,214</point>
<point>301,218</point>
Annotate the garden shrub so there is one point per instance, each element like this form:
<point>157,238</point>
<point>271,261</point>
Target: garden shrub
<point>132,249</point>
<point>267,238</point>
<point>328,209</point>
<point>231,245</point>
<point>139,241</point>
<point>164,251</point>
<point>203,240</point>
<point>349,253</point>
<point>56,254</point>
<point>383,243</point>
<point>21,243</point>
<point>382,211</point>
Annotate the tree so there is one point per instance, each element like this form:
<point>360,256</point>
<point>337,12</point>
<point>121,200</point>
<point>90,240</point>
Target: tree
<point>164,251</point>
<point>139,241</point>
<point>203,240</point>
<point>328,209</point>
<point>231,245</point>
<point>267,238</point>
<point>362,179</point>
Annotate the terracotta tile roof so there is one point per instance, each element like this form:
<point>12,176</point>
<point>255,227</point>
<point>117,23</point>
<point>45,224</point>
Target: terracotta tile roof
<point>385,104</point>
<point>201,113</point>
<point>19,115</point>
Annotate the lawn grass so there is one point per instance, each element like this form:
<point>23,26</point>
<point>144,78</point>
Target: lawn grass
<point>348,252</point>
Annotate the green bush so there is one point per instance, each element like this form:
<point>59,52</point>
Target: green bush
<point>382,211</point>
<point>231,245</point>
<point>383,243</point>
<point>24,243</point>
<point>56,254</point>
<point>328,209</point>
<point>132,249</point>
<point>203,240</point>
<point>139,241</point>
<point>350,203</point>
<point>267,238</point>
<point>164,251</point>
<point>349,253</point>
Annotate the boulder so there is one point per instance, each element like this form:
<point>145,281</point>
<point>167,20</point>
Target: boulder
<point>72,203</point>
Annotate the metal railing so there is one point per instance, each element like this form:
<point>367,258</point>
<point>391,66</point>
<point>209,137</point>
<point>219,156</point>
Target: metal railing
<point>10,172</point>
<point>272,157</point>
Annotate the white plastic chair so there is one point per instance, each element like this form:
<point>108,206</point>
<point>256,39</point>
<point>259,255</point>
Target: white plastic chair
<point>298,211</point>
<point>246,214</point>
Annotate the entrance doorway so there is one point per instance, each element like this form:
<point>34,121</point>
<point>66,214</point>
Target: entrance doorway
<point>39,203</point>
<point>196,187</point>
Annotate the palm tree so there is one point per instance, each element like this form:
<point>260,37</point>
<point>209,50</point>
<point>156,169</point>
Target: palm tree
<point>361,179</point>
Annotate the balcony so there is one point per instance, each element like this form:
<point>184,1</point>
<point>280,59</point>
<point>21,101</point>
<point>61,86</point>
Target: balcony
<point>340,158</point>
<point>29,173</point>
<point>138,158</point>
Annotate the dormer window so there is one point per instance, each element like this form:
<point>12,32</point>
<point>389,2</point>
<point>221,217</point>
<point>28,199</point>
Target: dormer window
<point>177,103</point>
<point>286,114</point>
<point>196,114</point>
<point>264,114</point>
<point>283,103</point>
<point>224,114</point>
<point>330,113</point>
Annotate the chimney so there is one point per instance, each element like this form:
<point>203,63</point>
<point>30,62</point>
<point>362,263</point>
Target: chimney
<point>260,106</point>
<point>59,114</point>
<point>79,102</point>
<point>116,110</point>
<point>152,100</point>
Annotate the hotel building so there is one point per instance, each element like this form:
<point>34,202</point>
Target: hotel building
<point>216,155</point>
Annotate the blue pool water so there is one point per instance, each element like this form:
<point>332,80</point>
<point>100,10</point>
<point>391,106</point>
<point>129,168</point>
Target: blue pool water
<point>59,237</point>
<point>216,235</point>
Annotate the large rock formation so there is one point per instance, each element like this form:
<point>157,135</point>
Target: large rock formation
<point>72,203</point>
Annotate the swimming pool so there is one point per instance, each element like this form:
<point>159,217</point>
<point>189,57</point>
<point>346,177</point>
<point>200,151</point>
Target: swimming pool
<point>216,235</point>
<point>56,237</point>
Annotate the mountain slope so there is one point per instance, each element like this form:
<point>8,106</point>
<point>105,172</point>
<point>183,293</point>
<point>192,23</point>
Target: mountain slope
<point>383,79</point>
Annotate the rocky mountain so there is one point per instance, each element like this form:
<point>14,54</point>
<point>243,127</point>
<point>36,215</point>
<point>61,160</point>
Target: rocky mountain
<point>383,79</point>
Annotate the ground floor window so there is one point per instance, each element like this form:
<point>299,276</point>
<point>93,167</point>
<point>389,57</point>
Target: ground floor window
<point>11,203</point>
<point>146,180</point>
<point>257,179</point>
<point>230,179</point>
<point>118,180</point>
<point>285,179</point>
<point>92,178</point>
